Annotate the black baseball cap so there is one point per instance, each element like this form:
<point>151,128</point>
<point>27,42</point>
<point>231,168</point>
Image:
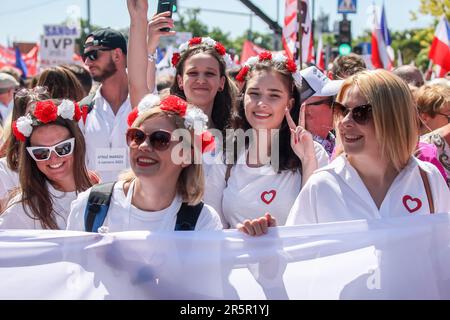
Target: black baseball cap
<point>108,38</point>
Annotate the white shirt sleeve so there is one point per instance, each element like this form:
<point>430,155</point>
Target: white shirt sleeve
<point>208,220</point>
<point>77,208</point>
<point>304,210</point>
<point>16,218</point>
<point>214,186</point>
<point>321,155</point>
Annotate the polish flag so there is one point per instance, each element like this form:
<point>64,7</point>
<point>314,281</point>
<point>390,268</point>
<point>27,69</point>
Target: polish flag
<point>440,47</point>
<point>320,55</point>
<point>290,30</point>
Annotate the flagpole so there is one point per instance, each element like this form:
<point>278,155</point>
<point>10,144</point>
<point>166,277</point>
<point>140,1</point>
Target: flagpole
<point>300,33</point>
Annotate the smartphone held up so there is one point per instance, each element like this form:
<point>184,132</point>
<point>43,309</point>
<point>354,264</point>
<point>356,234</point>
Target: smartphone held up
<point>164,6</point>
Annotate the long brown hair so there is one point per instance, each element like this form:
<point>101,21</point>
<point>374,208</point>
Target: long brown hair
<point>33,187</point>
<point>61,83</point>
<point>225,100</point>
<point>22,100</point>
<point>288,159</point>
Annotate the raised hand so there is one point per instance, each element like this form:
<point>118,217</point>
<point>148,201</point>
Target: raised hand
<point>137,7</point>
<point>159,21</point>
<point>257,227</point>
<point>301,140</point>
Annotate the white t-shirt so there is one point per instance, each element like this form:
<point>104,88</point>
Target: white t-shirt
<point>123,216</point>
<point>337,193</point>
<point>8,179</point>
<point>16,218</point>
<point>251,192</point>
<point>104,130</point>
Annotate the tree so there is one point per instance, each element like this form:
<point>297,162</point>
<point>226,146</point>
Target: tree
<point>436,8</point>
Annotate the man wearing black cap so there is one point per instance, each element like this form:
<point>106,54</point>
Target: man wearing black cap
<point>105,55</point>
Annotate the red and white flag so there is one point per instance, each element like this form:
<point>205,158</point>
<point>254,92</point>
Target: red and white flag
<point>440,47</point>
<point>290,30</point>
<point>380,55</point>
<point>320,54</point>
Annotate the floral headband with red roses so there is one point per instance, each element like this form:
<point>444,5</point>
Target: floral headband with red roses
<point>290,65</point>
<point>193,116</point>
<point>45,112</point>
<point>205,41</point>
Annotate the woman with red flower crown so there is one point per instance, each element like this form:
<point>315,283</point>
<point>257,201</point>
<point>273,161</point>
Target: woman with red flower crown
<point>268,171</point>
<point>201,65</point>
<point>52,166</point>
<point>164,185</point>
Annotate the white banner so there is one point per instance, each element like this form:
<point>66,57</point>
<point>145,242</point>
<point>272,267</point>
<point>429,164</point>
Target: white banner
<point>399,258</point>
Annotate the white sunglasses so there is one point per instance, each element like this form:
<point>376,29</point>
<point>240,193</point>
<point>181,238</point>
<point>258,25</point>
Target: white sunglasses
<point>62,149</point>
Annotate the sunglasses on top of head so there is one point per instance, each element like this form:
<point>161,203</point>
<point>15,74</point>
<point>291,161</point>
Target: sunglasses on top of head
<point>62,149</point>
<point>159,140</point>
<point>360,114</point>
<point>93,54</point>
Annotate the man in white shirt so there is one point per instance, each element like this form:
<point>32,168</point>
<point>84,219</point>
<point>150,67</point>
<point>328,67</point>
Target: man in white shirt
<point>8,85</point>
<point>104,127</point>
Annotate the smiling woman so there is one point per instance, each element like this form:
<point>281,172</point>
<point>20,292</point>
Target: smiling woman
<point>52,166</point>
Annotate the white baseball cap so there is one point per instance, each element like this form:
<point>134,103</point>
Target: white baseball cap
<point>320,83</point>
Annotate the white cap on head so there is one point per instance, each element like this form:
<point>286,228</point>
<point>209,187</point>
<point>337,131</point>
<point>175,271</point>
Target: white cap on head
<point>7,81</point>
<point>320,83</point>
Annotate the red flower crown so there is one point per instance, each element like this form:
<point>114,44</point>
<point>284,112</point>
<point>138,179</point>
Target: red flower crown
<point>289,64</point>
<point>198,41</point>
<point>45,112</point>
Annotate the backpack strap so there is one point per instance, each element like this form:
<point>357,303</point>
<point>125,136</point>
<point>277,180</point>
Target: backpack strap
<point>187,217</point>
<point>426,184</point>
<point>228,174</point>
<point>97,206</point>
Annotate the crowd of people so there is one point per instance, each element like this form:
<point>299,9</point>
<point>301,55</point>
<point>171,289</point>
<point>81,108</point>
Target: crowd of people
<point>105,147</point>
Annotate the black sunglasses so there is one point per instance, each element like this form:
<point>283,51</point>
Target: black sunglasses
<point>360,114</point>
<point>93,54</point>
<point>328,101</point>
<point>159,140</point>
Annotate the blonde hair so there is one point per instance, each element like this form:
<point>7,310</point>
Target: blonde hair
<point>191,182</point>
<point>432,98</point>
<point>393,110</point>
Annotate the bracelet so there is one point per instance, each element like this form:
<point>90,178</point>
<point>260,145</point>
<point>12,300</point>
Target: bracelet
<point>153,57</point>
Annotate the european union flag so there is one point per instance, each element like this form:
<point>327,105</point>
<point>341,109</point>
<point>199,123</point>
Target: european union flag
<point>20,64</point>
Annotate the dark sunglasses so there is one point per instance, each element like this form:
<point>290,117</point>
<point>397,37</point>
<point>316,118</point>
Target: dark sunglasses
<point>93,54</point>
<point>360,114</point>
<point>159,140</point>
<point>62,149</point>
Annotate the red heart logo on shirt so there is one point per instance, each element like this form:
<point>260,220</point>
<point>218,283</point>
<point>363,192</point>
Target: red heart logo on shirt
<point>412,204</point>
<point>268,196</point>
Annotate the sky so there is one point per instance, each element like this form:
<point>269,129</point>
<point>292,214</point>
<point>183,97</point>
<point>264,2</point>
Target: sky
<point>23,20</point>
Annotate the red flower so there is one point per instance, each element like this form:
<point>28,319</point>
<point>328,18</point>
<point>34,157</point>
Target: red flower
<point>195,41</point>
<point>19,136</point>
<point>208,142</point>
<point>220,49</point>
<point>132,116</point>
<point>77,113</point>
<point>174,104</point>
<point>46,111</point>
<point>175,59</point>
<point>265,55</point>
<point>291,66</point>
<point>242,74</point>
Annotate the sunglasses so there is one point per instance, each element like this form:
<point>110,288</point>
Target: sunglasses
<point>62,149</point>
<point>360,114</point>
<point>93,54</point>
<point>159,140</point>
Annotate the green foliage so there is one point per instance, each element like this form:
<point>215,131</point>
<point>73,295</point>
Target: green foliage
<point>436,8</point>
